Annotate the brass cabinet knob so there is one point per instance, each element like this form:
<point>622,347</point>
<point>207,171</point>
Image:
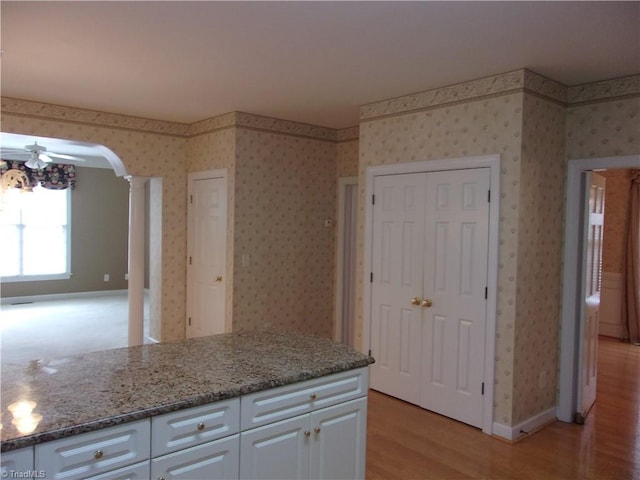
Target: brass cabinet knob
<point>313,396</point>
<point>98,454</point>
<point>416,301</point>
<point>201,426</point>
<point>427,302</point>
<point>317,430</point>
<point>307,433</point>
<point>218,278</point>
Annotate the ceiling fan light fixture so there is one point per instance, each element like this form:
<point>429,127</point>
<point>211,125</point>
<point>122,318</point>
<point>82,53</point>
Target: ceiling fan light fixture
<point>35,162</point>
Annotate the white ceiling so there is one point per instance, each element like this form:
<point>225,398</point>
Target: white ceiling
<point>313,62</point>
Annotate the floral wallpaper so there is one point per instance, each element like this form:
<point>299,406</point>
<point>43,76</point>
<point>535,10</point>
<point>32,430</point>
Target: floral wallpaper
<point>347,158</point>
<point>604,128</point>
<point>285,189</point>
<point>539,257</point>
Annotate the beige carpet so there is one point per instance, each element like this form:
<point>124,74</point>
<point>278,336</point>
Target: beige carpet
<point>52,329</point>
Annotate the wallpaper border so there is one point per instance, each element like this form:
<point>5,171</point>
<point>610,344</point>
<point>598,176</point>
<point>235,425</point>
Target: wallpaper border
<point>28,108</point>
<point>605,90</point>
<point>517,81</point>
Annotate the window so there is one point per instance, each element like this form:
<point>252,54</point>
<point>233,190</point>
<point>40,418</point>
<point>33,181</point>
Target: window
<point>35,233</point>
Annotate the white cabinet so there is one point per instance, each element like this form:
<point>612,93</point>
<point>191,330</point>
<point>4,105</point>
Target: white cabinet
<point>326,443</point>
<point>90,454</point>
<point>16,461</point>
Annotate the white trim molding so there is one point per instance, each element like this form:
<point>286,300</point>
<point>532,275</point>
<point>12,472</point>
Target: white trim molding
<point>60,296</point>
<point>533,424</point>
<point>484,161</point>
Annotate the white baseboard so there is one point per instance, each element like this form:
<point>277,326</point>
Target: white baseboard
<point>515,433</point>
<point>60,296</point>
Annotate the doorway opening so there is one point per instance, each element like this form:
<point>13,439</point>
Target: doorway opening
<point>344,324</point>
<point>572,326</point>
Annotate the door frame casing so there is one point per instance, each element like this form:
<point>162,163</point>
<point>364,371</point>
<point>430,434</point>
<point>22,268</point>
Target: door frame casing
<point>484,161</point>
<point>570,333</point>
<point>338,320</point>
<point>192,177</point>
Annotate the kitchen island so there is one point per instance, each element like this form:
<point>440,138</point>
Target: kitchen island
<point>260,395</point>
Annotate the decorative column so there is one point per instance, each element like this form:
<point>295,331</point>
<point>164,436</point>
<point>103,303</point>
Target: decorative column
<point>136,259</point>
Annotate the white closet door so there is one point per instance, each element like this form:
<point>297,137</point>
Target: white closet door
<point>398,246</point>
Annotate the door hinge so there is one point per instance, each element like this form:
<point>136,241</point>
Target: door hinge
<point>189,321</point>
<point>482,388</point>
<point>371,277</point>
<point>190,198</point>
<point>190,259</point>
<point>373,199</point>
<point>369,352</point>
<point>489,196</point>
<point>486,293</point>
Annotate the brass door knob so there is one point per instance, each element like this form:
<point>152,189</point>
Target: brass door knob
<point>307,433</point>
<point>317,430</point>
<point>218,279</point>
<point>98,454</point>
<point>416,301</point>
<point>201,426</point>
<point>427,302</point>
<point>313,396</point>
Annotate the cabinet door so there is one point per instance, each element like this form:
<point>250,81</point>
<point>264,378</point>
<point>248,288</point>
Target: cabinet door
<point>214,461</point>
<point>277,451</point>
<point>338,438</point>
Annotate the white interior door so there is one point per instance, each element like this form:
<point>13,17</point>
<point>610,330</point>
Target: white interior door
<point>397,277</point>
<point>455,281</point>
<point>592,268</point>
<point>207,233</point>
<point>428,290</point>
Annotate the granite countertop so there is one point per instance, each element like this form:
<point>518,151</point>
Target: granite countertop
<point>87,392</point>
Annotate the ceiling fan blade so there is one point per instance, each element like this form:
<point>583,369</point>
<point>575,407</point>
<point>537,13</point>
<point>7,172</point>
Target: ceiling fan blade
<point>63,156</point>
<point>19,155</point>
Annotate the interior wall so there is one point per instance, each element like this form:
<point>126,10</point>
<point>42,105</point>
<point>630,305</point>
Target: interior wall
<point>147,148</point>
<point>539,257</point>
<point>284,191</point>
<point>347,158</point>
<point>99,220</point>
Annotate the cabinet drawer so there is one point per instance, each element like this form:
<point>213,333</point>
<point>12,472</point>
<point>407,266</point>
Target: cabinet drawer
<point>139,471</point>
<point>268,406</point>
<point>90,454</point>
<point>214,460</point>
<point>193,426</point>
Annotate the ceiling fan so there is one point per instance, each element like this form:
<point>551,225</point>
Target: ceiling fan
<point>35,156</point>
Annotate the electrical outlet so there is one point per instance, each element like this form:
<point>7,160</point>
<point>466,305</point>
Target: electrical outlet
<point>126,276</point>
<point>106,277</point>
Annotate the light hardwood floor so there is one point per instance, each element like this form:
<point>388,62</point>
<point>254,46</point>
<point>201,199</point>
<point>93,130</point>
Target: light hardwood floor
<point>406,442</point>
